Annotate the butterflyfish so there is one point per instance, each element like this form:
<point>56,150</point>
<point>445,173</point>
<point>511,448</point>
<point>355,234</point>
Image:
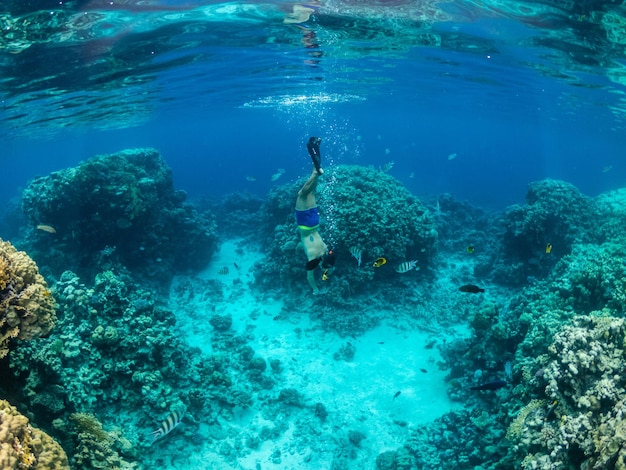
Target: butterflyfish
<point>325,275</point>
<point>46,228</point>
<point>549,248</point>
<point>407,266</point>
<point>379,262</point>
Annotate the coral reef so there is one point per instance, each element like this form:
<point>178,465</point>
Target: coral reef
<point>557,214</point>
<point>26,304</point>
<point>118,209</point>
<point>360,207</point>
<point>24,447</point>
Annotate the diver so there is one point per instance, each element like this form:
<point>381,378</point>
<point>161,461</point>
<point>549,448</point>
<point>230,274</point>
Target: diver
<point>308,219</point>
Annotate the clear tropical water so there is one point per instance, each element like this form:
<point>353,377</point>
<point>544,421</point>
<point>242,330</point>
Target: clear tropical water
<point>518,90</point>
<point>462,101</point>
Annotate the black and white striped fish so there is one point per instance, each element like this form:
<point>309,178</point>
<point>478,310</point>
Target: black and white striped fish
<point>407,266</point>
<point>357,252</point>
<point>169,423</point>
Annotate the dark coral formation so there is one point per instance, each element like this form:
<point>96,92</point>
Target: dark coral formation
<point>360,207</point>
<point>556,214</point>
<point>118,208</point>
<point>26,304</point>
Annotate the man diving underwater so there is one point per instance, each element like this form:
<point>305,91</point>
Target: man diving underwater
<point>308,219</point>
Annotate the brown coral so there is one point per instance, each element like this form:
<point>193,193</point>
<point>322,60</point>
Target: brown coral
<point>26,305</point>
<point>25,447</point>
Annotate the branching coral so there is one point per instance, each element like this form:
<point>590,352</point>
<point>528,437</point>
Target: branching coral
<point>26,305</point>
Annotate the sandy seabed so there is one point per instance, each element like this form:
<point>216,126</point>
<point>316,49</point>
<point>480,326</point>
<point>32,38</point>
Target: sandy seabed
<point>391,385</point>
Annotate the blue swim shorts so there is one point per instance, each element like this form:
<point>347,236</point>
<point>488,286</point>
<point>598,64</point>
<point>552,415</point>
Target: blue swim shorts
<point>308,218</point>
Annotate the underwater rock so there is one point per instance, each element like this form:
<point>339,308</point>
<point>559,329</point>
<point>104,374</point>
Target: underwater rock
<point>291,397</point>
<point>26,304</point>
<point>221,323</point>
<point>116,209</point>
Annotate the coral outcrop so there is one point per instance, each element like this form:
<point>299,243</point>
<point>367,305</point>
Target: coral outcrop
<point>556,215</point>
<point>118,209</point>
<point>360,208</point>
<point>24,447</point>
<point>26,304</point>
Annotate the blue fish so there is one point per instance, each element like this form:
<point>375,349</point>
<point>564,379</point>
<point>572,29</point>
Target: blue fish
<point>495,385</point>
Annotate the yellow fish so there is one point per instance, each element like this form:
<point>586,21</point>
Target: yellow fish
<point>325,275</point>
<point>549,248</point>
<point>379,262</point>
<point>46,228</point>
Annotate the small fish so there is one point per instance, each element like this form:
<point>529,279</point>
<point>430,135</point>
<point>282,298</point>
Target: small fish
<point>236,265</point>
<point>381,342</point>
<point>389,165</point>
<point>325,275</point>
<point>379,262</point>
<point>495,385</point>
<point>223,271</point>
<point>549,248</point>
<point>412,175</point>
<point>397,394</point>
<point>471,289</point>
<point>423,370</point>
<point>407,266</point>
<point>470,249</point>
<point>606,169</point>
<point>168,424</point>
<point>250,178</point>
<point>452,156</point>
<point>551,410</point>
<point>357,253</point>
<point>46,228</point>
<point>278,174</point>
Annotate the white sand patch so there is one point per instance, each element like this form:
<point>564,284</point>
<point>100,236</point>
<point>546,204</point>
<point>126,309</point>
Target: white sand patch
<point>358,394</point>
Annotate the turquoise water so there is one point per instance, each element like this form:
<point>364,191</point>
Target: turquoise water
<point>153,151</point>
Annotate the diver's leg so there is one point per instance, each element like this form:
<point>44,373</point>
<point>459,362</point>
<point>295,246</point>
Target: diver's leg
<point>306,195</point>
<point>311,278</point>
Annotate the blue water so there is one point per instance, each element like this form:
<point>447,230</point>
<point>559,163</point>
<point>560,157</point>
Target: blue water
<point>236,94</point>
<point>473,99</point>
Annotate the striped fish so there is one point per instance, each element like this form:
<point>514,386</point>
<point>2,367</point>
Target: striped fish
<point>407,266</point>
<point>223,271</point>
<point>168,424</point>
<point>356,252</point>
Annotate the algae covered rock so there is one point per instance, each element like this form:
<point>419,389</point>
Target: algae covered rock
<point>26,305</point>
<point>118,208</point>
<point>25,447</point>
